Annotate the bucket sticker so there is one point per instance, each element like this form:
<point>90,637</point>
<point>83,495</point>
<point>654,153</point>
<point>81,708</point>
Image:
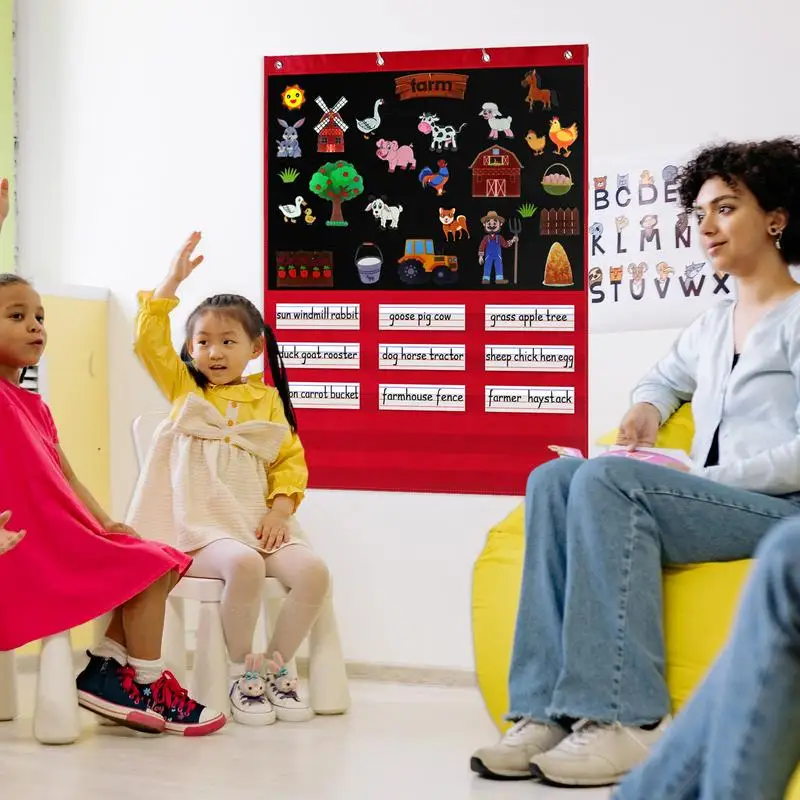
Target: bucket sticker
<point>563,138</point>
<point>337,182</point>
<point>497,122</point>
<point>289,144</point>
<point>435,180</point>
<point>383,212</point>
<point>369,261</point>
<point>536,94</point>
<point>369,125</point>
<point>395,154</point>
<point>304,269</point>
<point>453,223</point>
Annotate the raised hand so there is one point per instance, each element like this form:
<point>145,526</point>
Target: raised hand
<point>184,265</point>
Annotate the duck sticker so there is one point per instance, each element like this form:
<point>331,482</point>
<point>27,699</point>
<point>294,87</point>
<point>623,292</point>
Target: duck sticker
<point>369,125</point>
<point>292,211</point>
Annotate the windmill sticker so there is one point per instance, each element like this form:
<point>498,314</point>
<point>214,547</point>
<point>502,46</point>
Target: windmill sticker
<point>331,128</point>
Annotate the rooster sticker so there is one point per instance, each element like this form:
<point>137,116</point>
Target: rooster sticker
<point>563,138</point>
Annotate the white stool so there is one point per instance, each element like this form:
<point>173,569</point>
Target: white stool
<point>55,719</point>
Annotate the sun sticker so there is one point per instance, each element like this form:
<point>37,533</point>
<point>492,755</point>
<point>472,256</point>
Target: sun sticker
<point>293,97</point>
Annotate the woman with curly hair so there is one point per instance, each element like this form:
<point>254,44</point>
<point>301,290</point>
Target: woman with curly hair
<point>586,685</point>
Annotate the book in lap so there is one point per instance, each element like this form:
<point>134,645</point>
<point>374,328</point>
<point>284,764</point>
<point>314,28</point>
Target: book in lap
<point>664,457</point>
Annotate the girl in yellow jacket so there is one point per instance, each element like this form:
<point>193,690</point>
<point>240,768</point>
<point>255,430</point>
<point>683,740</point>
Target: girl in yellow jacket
<point>224,477</point>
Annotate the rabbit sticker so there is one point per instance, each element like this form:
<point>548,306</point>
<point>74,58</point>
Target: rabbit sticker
<point>289,146</point>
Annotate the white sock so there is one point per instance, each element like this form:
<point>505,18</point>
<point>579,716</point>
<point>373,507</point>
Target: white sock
<point>108,648</point>
<point>235,671</point>
<point>147,672</point>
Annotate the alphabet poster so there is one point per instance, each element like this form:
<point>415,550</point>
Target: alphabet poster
<point>646,267</point>
<point>425,262</point>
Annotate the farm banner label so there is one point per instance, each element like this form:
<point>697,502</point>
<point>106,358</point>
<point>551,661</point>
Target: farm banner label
<point>425,230</point>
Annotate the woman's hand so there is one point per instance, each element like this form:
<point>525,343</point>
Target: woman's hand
<point>8,539</point>
<point>273,530</point>
<point>121,527</point>
<point>639,427</point>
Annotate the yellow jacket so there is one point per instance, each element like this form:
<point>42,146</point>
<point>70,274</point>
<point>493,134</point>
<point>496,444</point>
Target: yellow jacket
<point>254,400</point>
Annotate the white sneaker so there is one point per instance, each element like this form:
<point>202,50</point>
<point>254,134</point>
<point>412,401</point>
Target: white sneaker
<point>510,758</point>
<point>596,754</point>
<point>282,693</point>
<point>249,702</point>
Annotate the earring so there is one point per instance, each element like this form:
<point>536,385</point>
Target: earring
<point>776,233</point>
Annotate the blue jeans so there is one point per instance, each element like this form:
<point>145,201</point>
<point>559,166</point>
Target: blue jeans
<point>738,738</point>
<point>493,260</point>
<point>589,638</point>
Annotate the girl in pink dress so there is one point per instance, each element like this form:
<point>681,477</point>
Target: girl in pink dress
<point>74,564</point>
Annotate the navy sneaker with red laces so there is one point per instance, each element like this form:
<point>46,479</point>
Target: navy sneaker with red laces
<point>181,714</point>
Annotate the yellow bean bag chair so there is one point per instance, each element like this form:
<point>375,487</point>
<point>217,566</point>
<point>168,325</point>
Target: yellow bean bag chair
<point>700,602</point>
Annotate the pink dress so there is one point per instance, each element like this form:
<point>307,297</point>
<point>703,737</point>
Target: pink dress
<point>67,570</point>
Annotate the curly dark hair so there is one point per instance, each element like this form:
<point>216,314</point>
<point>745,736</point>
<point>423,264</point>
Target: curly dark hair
<point>769,169</point>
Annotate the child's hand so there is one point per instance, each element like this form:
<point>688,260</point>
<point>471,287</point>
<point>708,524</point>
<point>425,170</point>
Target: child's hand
<point>183,265</point>
<point>5,203</point>
<point>121,527</point>
<point>8,539</point>
<point>273,530</point>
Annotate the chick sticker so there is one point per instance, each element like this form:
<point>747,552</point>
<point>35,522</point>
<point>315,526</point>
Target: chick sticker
<point>293,97</point>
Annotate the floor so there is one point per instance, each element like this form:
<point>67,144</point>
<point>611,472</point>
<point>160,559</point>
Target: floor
<point>397,742</point>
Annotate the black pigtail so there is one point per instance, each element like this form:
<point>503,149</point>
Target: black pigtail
<point>279,377</point>
<point>197,376</point>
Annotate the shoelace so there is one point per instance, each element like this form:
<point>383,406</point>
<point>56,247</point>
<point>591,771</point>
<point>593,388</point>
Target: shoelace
<point>518,728</point>
<point>127,676</point>
<point>168,692</point>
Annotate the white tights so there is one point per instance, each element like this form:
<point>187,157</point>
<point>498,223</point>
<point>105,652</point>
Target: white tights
<point>243,570</point>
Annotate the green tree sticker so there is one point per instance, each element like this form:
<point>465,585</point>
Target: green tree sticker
<point>337,182</point>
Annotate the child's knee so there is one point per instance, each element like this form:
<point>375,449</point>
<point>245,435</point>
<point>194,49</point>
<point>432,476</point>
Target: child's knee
<point>245,573</point>
<point>315,579</point>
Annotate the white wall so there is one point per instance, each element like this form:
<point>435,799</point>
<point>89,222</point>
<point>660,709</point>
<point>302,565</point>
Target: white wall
<point>139,122</point>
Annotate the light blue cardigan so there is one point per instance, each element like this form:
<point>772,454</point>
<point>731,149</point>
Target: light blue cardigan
<point>757,406</point>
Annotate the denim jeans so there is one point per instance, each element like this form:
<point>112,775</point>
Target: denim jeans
<point>589,638</point>
<point>738,737</point>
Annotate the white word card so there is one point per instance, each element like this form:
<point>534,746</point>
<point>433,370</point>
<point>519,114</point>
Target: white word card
<point>531,399</point>
<point>422,356</point>
<point>529,318</point>
<point>318,316</point>
<point>325,395</point>
<point>403,397</point>
<point>529,358</point>
<point>425,316</point>
<point>321,355</point>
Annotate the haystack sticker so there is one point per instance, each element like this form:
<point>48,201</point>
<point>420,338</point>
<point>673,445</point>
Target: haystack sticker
<point>529,358</point>
<point>416,317</point>
<point>312,394</point>
<point>421,397</point>
<point>431,84</point>
<point>422,356</point>
<point>530,399</point>
<point>529,318</point>
<point>318,316</point>
<point>321,355</point>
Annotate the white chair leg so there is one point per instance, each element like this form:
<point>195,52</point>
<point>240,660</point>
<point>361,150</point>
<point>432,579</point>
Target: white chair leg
<point>56,717</point>
<point>329,692</point>
<point>8,686</point>
<point>173,643</point>
<point>210,674</point>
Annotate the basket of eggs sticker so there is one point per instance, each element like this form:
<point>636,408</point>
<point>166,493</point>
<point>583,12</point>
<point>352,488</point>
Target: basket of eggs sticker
<point>557,180</point>
<point>557,269</point>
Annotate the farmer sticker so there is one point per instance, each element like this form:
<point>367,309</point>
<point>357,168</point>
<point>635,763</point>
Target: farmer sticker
<point>490,250</point>
<point>421,317</point>
<point>422,356</point>
<point>421,397</point>
<point>530,399</point>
